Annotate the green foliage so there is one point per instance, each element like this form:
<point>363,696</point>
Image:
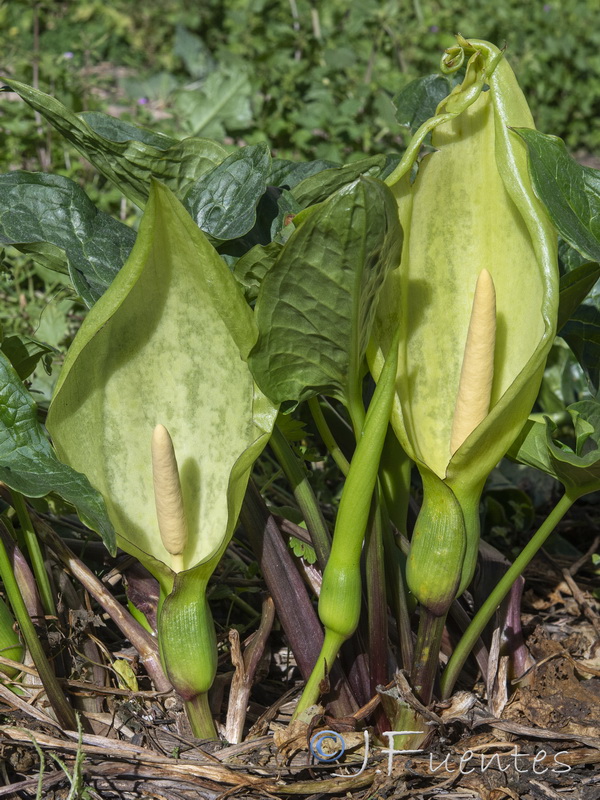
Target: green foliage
<point>172,338</point>
<point>29,464</point>
<point>54,220</point>
<point>313,334</point>
<point>576,467</point>
<point>302,549</point>
<point>273,71</point>
<point>570,191</point>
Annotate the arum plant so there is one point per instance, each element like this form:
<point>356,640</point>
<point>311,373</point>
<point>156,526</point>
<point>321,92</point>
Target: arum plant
<point>475,299</point>
<point>313,338</point>
<point>157,407</point>
<point>443,279</point>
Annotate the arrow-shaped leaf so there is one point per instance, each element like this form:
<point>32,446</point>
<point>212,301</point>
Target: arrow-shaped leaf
<point>223,202</point>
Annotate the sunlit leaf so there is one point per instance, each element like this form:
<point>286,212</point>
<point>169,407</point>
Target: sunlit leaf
<point>317,302</point>
<point>129,163</point>
<point>53,219</point>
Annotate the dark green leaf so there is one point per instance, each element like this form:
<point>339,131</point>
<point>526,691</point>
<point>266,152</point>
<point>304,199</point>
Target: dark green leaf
<point>129,164</point>
<point>252,267</point>
<point>564,382</point>
<point>577,468</point>
<point>290,173</point>
<point>570,192</point>
<point>29,465</point>
<point>24,353</point>
<point>115,130</point>
<point>52,218</point>
<point>220,105</point>
<point>574,288</point>
<point>568,258</point>
<point>223,202</point>
<point>582,334</point>
<point>316,304</point>
<point>317,188</point>
<point>418,101</point>
<point>194,53</point>
<point>267,213</point>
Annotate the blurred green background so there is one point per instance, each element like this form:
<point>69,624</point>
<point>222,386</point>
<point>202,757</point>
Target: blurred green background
<point>315,80</point>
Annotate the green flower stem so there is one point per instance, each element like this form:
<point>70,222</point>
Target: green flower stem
<point>188,645</point>
<point>340,600</point>
<point>60,705</point>
<point>427,652</point>
<point>394,476</point>
<point>327,436</point>
<point>305,497</point>
<point>395,564</point>
<point>313,689</point>
<point>377,607</point>
<point>35,553</point>
<point>485,613</point>
<point>200,717</point>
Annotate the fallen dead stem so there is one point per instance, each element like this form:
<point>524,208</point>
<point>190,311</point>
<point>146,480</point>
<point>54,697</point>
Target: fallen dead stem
<point>129,759</point>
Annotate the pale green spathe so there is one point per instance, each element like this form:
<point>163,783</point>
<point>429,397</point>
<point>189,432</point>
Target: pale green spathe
<point>470,208</point>
<point>166,344</point>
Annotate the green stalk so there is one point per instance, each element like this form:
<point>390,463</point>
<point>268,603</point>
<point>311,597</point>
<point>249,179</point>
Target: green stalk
<point>327,436</point>
<point>427,651</point>
<point>377,607</point>
<point>485,613</point>
<point>305,497</point>
<point>35,553</point>
<point>340,600</point>
<point>188,645</point>
<point>395,566</point>
<point>60,705</point>
<point>200,717</point>
<point>313,689</point>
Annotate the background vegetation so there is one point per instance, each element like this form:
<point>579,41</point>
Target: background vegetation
<point>313,79</point>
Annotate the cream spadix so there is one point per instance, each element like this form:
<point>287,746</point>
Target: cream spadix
<point>477,371</point>
<point>168,497</point>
